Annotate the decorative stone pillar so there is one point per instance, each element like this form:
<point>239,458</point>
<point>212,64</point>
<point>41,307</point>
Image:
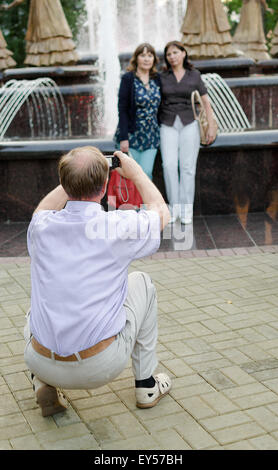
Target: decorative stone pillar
<point>274,42</point>
<point>6,60</point>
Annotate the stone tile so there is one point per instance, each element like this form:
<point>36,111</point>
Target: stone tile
<point>237,375</point>
<point>169,439</point>
<point>17,381</point>
<point>186,392</point>
<point>219,402</point>
<point>195,435</point>
<point>245,390</point>
<point>8,405</point>
<point>37,423</point>
<point>146,442</point>
<point>90,414</point>
<point>197,408</point>
<point>61,434</point>
<point>238,433</point>
<point>11,420</point>
<point>177,367</point>
<point>104,430</point>
<point>256,400</point>
<point>226,420</point>
<point>96,401</point>
<point>66,418</point>
<point>84,442</point>
<point>235,356</point>
<point>10,432</point>
<point>29,442</point>
<point>127,425</point>
<point>242,445</point>
<point>264,417</point>
<point>5,445</point>
<point>217,379</point>
<point>265,442</point>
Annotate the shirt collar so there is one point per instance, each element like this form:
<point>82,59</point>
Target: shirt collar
<point>82,206</point>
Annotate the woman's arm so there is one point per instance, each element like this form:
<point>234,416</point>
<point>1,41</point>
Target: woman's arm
<point>211,129</point>
<point>123,108</point>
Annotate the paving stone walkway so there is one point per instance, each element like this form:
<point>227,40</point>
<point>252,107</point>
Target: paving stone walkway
<point>218,340</point>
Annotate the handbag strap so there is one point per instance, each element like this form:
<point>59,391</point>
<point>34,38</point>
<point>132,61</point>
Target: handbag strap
<point>195,96</point>
<point>120,190</point>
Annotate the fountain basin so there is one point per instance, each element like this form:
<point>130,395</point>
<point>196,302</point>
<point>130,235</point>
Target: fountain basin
<point>238,168</point>
<point>257,95</point>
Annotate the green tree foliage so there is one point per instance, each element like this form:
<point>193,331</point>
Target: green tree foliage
<point>13,24</point>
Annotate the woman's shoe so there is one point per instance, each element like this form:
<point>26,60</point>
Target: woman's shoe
<point>186,220</point>
<point>187,214</point>
<point>149,397</point>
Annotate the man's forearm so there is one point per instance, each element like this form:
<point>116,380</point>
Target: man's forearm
<point>152,198</point>
<point>55,200</point>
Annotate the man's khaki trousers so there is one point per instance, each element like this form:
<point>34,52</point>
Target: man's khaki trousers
<point>137,340</point>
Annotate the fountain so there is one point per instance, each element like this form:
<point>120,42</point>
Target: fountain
<point>248,132</point>
<point>151,21</point>
<point>45,107</point>
<point>229,114</point>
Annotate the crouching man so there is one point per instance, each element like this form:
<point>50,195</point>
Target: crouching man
<point>87,315</point>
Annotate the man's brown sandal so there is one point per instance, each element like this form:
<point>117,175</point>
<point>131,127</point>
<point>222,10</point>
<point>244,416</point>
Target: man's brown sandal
<point>51,400</point>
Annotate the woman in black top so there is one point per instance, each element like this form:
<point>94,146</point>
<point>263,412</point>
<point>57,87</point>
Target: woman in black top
<point>139,98</point>
<point>179,132</point>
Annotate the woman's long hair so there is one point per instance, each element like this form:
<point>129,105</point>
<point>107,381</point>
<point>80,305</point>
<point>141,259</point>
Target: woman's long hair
<point>187,65</point>
<point>133,61</point>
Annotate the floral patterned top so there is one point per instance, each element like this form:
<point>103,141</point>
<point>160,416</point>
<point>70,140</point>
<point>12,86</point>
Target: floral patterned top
<point>146,135</point>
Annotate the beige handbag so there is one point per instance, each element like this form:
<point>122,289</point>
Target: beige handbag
<point>202,118</point>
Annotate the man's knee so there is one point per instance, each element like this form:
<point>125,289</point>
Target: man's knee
<point>142,288</point>
<point>140,277</point>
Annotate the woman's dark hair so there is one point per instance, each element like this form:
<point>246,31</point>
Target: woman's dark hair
<point>179,45</point>
<point>133,61</point>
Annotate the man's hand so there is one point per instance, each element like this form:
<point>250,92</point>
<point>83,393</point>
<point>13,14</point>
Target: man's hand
<point>149,192</point>
<point>129,168</point>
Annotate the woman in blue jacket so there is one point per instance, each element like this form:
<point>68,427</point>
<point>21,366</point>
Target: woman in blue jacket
<point>139,98</point>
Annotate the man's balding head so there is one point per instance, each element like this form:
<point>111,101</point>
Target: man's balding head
<point>83,172</point>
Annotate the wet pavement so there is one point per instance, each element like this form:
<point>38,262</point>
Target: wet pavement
<point>215,232</point>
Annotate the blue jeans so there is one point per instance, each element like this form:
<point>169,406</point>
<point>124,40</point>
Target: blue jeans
<point>145,159</point>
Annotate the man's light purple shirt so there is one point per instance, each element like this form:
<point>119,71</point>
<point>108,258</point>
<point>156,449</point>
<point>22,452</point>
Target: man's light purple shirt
<point>79,271</point>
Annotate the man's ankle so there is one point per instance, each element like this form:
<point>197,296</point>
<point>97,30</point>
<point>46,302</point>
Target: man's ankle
<point>145,383</point>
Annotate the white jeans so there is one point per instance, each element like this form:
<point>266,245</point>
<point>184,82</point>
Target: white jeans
<point>180,146</point>
<point>137,340</point>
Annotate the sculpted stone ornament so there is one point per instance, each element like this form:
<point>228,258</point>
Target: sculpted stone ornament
<point>48,38</point>
<point>274,42</point>
<point>206,30</point>
<point>6,60</point>
<point>249,36</point>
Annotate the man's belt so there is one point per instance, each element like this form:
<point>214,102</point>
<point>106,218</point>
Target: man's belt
<point>92,351</point>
